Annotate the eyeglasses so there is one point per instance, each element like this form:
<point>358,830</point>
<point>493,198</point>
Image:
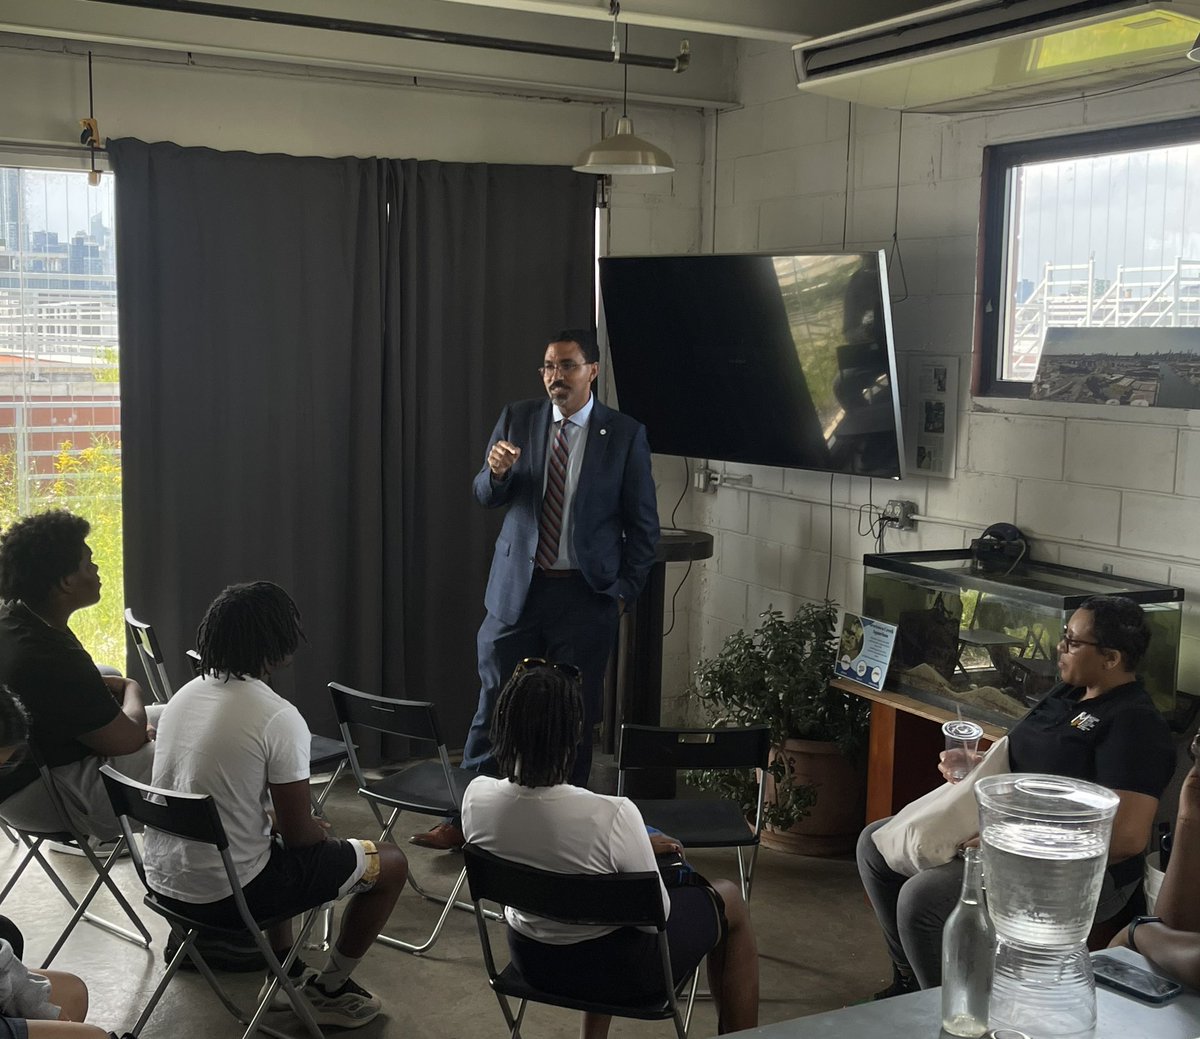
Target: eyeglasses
<point>1073,644</point>
<point>566,367</point>
<point>532,663</point>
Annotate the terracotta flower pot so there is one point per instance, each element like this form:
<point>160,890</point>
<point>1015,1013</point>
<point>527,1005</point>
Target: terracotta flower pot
<point>833,825</point>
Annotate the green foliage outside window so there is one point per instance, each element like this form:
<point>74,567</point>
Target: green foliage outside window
<point>88,483</point>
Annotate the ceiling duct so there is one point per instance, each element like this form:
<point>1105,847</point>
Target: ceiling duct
<point>977,55</point>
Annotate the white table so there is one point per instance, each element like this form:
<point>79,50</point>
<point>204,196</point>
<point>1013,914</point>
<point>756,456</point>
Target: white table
<point>918,1016</point>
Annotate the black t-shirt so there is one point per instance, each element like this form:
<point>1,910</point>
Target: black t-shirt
<point>56,680</point>
<point>1118,740</point>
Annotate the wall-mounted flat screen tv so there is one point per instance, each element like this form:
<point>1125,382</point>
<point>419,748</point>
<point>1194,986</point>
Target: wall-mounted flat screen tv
<point>781,360</point>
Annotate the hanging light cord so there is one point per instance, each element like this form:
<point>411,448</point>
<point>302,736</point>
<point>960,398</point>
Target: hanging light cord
<point>625,89</point>
<point>91,131</point>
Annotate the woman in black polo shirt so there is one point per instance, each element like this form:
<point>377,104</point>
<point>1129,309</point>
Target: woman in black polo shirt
<point>1097,724</point>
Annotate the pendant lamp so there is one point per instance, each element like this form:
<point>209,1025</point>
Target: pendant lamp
<point>623,152</point>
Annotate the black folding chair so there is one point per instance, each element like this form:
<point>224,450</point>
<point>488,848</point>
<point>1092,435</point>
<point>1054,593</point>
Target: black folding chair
<point>194,817</point>
<point>427,788</point>
<point>69,835</point>
<point>150,654</point>
<point>695,822</point>
<point>596,899</point>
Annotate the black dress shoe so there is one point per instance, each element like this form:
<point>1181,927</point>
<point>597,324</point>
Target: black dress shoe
<point>443,837</point>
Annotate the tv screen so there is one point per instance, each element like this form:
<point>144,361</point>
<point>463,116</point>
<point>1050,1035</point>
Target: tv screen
<point>781,360</point>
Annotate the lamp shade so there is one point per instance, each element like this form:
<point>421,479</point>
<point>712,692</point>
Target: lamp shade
<point>624,153</point>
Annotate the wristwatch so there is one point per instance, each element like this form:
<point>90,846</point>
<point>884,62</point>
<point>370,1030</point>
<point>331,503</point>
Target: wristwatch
<point>1135,923</point>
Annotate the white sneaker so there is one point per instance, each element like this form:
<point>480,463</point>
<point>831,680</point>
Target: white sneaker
<point>351,1006</point>
<point>279,1001</point>
<point>103,849</point>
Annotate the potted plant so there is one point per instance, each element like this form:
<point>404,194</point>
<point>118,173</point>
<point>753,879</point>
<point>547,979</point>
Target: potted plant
<point>779,675</point>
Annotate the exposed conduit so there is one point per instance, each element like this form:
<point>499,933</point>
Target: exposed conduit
<point>400,32</point>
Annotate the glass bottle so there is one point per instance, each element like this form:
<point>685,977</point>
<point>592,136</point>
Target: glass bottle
<point>968,946</point>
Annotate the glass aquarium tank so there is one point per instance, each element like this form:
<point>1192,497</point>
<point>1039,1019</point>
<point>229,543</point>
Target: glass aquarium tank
<point>985,641</point>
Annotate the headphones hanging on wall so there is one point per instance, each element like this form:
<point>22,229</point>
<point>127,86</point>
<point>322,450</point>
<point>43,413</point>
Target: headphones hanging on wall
<point>998,550</point>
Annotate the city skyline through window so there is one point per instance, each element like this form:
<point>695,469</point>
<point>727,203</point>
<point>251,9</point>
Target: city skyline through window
<point>60,426</point>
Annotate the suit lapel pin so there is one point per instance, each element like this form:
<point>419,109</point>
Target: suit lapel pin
<point>604,432</point>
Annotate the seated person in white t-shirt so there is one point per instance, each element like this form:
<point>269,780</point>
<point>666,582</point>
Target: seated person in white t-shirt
<point>534,816</point>
<point>228,734</point>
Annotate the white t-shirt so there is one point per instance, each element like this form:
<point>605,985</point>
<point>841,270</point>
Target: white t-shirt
<point>564,829</point>
<point>228,738</point>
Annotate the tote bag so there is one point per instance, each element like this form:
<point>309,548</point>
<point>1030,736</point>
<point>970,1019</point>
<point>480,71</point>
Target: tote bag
<point>928,832</point>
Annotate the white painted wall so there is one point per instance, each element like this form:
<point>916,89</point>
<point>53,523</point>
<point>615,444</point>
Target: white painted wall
<point>1091,485</point>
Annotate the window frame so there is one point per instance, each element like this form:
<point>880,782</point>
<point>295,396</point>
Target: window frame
<point>999,160</point>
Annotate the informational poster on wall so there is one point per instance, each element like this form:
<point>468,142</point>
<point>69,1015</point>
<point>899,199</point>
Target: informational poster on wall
<point>932,415</point>
<point>864,650</point>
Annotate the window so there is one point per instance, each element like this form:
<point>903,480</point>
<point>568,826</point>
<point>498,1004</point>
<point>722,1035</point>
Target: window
<point>1097,230</point>
<point>60,410</point>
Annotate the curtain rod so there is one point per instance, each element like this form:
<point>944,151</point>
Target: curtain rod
<point>56,147</point>
<point>306,21</point>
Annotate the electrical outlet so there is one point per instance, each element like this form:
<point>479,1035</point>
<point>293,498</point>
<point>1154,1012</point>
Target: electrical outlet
<point>899,514</point>
<point>704,481</point>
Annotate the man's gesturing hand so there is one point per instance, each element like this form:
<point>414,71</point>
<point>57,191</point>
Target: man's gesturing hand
<point>502,457</point>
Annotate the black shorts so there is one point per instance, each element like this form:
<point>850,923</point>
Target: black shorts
<point>14,1028</point>
<point>292,881</point>
<point>584,970</point>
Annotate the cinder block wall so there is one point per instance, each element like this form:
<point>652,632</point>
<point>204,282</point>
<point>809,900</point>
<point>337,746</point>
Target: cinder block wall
<point>1091,485</point>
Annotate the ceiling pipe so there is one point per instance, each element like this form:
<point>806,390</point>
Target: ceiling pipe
<point>399,32</point>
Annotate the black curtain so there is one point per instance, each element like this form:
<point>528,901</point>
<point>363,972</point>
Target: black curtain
<point>487,262</point>
<point>312,354</point>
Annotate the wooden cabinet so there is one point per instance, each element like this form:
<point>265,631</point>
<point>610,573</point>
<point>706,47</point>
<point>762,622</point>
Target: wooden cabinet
<point>906,738</point>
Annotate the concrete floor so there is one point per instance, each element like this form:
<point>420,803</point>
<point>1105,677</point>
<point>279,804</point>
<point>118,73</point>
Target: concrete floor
<point>818,942</point>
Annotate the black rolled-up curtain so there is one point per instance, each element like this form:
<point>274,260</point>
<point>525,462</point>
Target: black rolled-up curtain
<point>486,262</point>
<point>251,323</point>
<point>313,352</point>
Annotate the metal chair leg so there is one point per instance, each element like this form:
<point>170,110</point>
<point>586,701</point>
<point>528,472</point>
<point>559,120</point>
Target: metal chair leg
<point>451,902</point>
<point>83,913</point>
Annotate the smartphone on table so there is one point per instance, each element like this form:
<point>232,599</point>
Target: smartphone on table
<point>1134,981</point>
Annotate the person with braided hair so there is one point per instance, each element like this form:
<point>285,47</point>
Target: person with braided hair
<point>228,734</point>
<point>535,816</point>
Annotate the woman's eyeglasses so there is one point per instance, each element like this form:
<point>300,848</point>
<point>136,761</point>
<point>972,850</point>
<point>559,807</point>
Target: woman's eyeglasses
<point>532,663</point>
<point>1072,644</point>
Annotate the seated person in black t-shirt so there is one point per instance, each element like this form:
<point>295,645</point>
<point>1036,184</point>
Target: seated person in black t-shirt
<point>1171,940</point>
<point>1097,724</point>
<point>77,717</point>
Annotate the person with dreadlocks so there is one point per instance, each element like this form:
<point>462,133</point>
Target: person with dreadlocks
<point>535,816</point>
<point>79,717</point>
<point>228,734</point>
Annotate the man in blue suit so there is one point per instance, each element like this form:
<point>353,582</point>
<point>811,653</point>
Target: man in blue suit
<point>577,542</point>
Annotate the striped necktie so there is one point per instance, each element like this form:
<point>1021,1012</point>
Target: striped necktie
<point>550,524</point>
